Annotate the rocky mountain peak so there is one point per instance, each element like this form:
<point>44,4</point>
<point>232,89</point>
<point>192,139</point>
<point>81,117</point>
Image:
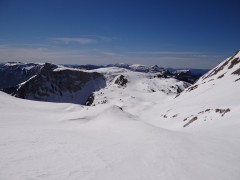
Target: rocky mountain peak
<point>48,67</point>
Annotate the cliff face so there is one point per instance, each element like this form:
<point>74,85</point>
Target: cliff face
<point>66,85</point>
<point>11,74</point>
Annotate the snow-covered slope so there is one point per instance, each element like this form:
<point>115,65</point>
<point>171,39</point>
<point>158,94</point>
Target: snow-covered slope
<point>146,88</point>
<point>212,100</point>
<point>42,140</point>
<point>142,131</point>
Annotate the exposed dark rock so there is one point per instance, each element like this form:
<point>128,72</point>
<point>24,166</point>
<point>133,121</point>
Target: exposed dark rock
<point>12,74</point>
<point>121,80</point>
<point>177,96</point>
<point>120,108</point>
<point>179,90</point>
<point>222,111</point>
<point>237,79</point>
<point>90,100</point>
<point>234,62</point>
<point>161,76</point>
<point>47,68</point>
<point>237,72</point>
<point>60,86</point>
<point>187,76</point>
<point>219,77</point>
<point>104,101</point>
<point>175,115</point>
<point>190,121</point>
<point>192,88</point>
<point>207,110</point>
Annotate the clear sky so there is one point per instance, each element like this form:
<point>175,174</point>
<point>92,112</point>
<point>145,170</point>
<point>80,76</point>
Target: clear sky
<point>169,33</point>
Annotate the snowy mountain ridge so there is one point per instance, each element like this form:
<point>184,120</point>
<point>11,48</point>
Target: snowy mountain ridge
<point>14,73</point>
<point>40,81</point>
<point>137,127</point>
<point>213,97</point>
<point>63,85</point>
<point>134,86</point>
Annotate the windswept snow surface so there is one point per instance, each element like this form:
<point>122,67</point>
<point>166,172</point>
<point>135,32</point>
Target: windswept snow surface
<point>137,133</point>
<point>42,140</point>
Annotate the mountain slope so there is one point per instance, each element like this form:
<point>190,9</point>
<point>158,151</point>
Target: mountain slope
<point>213,99</point>
<point>11,74</point>
<point>43,82</point>
<point>65,141</point>
<point>137,134</point>
<point>60,85</point>
<point>127,88</point>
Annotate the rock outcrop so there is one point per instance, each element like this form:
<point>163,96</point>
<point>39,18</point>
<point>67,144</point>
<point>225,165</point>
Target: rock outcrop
<point>64,85</point>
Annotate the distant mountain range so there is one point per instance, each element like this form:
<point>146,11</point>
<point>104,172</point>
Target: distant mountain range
<point>72,83</point>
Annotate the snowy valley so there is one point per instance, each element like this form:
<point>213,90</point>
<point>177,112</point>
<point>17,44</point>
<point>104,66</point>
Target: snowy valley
<point>127,122</point>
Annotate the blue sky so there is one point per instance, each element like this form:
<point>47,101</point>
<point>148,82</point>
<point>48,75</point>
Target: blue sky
<point>170,33</point>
